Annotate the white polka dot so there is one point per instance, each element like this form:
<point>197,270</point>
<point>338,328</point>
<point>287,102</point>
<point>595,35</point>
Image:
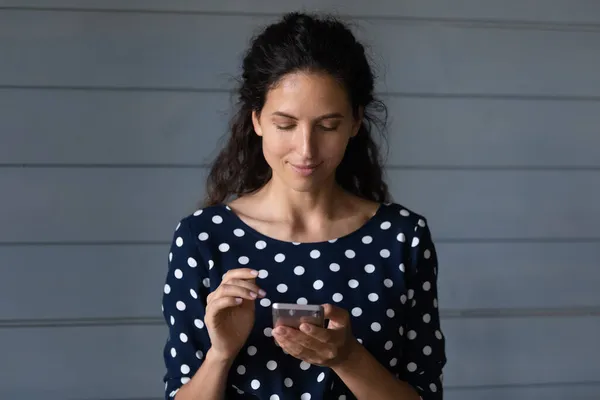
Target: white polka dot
<point>342,397</point>
<point>255,384</point>
<point>427,318</point>
<point>299,270</point>
<point>390,313</point>
<point>356,311</point>
<point>401,238</point>
<point>179,242</point>
<point>415,242</point>
<point>404,213</point>
<point>206,282</point>
<point>427,254</point>
<point>359,340</point>
<point>199,354</point>
<point>412,367</point>
<point>268,332</point>
<point>421,223</point>
<point>373,297</point>
<point>203,236</point>
<point>288,382</point>
<point>432,387</point>
<point>334,267</point>
<point>265,302</point>
<point>167,289</point>
<point>393,362</point>
<point>261,244</point>
<point>241,370</point>
<point>353,283</point>
<point>263,273</point>
<point>170,257</point>
<point>302,301</point>
<point>180,305</point>
<point>184,380</point>
<point>367,239</point>
<point>321,377</point>
<point>315,254</point>
<point>385,225</point>
<point>305,396</point>
<point>401,331</point>
<point>332,240</point>
<point>271,365</point>
<point>350,253</point>
<point>403,299</point>
<point>185,369</point>
<point>280,257</point>
<point>376,327</point>
<point>438,335</point>
<point>412,335</point>
<point>172,319</point>
<point>282,288</point>
<point>388,345</point>
<point>388,283</point>
<point>411,294</point>
<point>426,286</point>
<point>304,365</point>
<point>369,268</point>
<point>238,232</point>
<point>223,247</point>
<point>197,212</point>
<point>401,267</point>
<point>217,219</point>
<point>427,350</point>
<point>243,260</point>
<point>252,350</point>
<point>337,297</point>
<point>211,264</point>
<point>318,285</point>
<point>173,352</point>
<point>178,274</point>
<point>385,253</point>
<point>183,337</point>
<point>274,397</point>
<point>435,303</point>
<point>199,324</point>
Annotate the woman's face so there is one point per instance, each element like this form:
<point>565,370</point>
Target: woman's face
<point>305,126</point>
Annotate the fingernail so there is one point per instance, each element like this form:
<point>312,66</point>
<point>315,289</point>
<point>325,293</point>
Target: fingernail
<point>238,300</point>
<point>253,295</point>
<point>262,292</point>
<point>280,331</point>
<point>254,272</point>
<point>305,328</point>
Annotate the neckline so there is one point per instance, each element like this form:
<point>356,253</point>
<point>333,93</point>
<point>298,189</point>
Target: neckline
<point>265,237</point>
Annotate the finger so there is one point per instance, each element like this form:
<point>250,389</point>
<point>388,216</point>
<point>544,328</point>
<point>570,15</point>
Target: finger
<point>240,273</point>
<point>250,285</point>
<point>323,335</point>
<point>300,338</point>
<point>333,313</point>
<point>293,349</point>
<point>300,352</point>
<point>221,304</point>
<point>226,290</point>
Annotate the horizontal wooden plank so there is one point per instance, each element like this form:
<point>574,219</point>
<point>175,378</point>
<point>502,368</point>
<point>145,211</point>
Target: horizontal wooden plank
<point>106,127</point>
<point>138,49</point>
<point>128,279</point>
<point>561,11</point>
<point>524,351</point>
<point>143,204</point>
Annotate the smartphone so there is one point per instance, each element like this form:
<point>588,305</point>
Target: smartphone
<point>293,315</point>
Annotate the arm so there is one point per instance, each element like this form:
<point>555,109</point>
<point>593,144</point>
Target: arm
<point>193,371</point>
<point>423,355</point>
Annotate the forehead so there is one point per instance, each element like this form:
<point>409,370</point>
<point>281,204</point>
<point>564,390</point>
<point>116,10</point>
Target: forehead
<point>307,94</point>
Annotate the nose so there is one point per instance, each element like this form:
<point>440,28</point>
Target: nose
<point>307,145</point>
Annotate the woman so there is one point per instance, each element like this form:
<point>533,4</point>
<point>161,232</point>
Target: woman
<point>297,212</point>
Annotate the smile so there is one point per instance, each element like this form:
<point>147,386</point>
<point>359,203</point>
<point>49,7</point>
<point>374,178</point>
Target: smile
<point>304,170</point>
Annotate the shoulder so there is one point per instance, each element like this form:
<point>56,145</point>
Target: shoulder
<point>398,214</point>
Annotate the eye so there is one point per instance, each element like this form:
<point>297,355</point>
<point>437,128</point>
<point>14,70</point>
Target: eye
<point>328,128</point>
<point>285,128</point>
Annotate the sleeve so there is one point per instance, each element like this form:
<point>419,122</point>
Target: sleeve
<point>183,306</point>
<point>424,355</point>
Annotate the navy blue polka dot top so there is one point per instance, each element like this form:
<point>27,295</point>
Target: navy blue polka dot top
<point>384,274</point>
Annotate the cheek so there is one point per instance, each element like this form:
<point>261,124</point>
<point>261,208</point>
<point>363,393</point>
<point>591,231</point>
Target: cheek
<point>274,146</point>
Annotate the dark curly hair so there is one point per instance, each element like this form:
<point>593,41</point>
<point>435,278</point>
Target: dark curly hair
<point>301,42</point>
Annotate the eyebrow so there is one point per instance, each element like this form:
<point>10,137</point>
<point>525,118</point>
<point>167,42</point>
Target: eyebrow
<point>322,117</point>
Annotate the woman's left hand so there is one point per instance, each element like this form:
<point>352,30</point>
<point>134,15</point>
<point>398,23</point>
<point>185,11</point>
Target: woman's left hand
<point>320,346</point>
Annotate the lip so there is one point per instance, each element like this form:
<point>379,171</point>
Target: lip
<point>304,170</point>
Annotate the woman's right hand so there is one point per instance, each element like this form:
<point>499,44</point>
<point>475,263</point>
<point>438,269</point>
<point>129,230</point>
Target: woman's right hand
<point>230,312</point>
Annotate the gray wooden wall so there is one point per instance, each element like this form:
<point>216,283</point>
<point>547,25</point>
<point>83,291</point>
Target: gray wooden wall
<point>110,110</point>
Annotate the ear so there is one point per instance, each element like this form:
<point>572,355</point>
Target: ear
<point>256,123</point>
<point>358,121</point>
